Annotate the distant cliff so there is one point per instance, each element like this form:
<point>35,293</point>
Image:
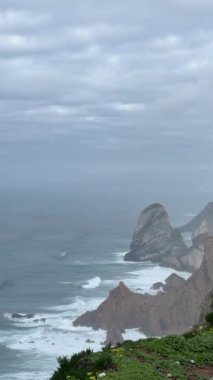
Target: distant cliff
<point>154,239</point>
<point>165,313</point>
<point>204,218</point>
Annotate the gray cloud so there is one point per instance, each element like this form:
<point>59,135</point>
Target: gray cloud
<point>91,64</point>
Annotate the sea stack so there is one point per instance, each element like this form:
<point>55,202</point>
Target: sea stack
<point>154,238</point>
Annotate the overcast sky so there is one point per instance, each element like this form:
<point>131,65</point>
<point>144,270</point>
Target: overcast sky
<point>137,73</point>
<point>101,64</point>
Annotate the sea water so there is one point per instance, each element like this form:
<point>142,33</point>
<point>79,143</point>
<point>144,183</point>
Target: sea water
<point>60,257</point>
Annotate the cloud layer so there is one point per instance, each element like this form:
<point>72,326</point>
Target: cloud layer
<point>97,65</point>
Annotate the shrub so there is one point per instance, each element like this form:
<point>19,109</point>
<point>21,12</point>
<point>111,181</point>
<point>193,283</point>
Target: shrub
<point>209,318</point>
<point>105,361</point>
<point>84,365</point>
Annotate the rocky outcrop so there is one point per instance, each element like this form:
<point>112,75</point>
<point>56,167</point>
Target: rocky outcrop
<point>114,336</point>
<point>165,313</point>
<point>22,316</point>
<point>202,223</point>
<point>155,239</point>
<point>205,308</point>
<point>193,258</point>
<point>172,283</point>
<point>157,286</point>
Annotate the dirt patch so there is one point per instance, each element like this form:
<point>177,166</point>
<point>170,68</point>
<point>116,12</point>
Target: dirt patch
<point>196,372</point>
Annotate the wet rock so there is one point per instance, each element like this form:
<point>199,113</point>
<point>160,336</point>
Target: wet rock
<point>157,285</point>
<point>22,316</point>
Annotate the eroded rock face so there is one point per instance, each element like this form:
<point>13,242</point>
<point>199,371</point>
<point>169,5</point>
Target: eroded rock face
<point>154,238</point>
<point>172,283</point>
<point>165,313</point>
<point>205,308</point>
<point>114,336</point>
<point>202,223</point>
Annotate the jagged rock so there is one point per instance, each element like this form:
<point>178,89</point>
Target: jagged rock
<point>175,262</point>
<point>172,282</point>
<point>157,285</point>
<point>165,313</point>
<point>205,308</point>
<point>202,223</point>
<point>193,259</point>
<point>23,316</point>
<point>154,238</point>
<point>114,337</point>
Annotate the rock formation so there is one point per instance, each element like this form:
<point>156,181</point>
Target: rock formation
<point>154,238</point>
<point>205,308</point>
<point>114,336</point>
<point>165,313</point>
<point>202,223</point>
<point>172,283</point>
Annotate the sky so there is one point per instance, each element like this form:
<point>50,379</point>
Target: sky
<point>106,79</point>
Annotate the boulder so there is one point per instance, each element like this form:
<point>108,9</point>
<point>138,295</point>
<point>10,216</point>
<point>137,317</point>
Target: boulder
<point>23,316</point>
<point>157,285</point>
<point>173,282</point>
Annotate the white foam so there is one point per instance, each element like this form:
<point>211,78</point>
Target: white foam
<point>187,238</point>
<point>133,334</point>
<point>190,214</point>
<point>27,376</point>
<point>63,254</point>
<point>142,279</point>
<point>119,258</point>
<point>94,282</point>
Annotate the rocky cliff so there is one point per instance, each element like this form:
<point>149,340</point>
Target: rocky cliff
<point>154,238</point>
<point>202,223</point>
<point>205,308</point>
<point>165,313</point>
<point>172,283</point>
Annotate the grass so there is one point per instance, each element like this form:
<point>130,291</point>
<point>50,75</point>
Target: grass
<point>188,357</point>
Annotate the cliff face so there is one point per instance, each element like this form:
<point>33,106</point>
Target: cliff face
<point>203,222</point>
<point>154,238</point>
<point>205,308</point>
<point>166,313</point>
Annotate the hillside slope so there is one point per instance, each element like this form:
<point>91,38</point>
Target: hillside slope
<point>187,357</point>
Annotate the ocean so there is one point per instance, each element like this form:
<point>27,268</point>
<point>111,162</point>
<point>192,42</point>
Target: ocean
<point>61,252</point>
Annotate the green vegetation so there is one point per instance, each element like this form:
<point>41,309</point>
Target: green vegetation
<point>188,357</point>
